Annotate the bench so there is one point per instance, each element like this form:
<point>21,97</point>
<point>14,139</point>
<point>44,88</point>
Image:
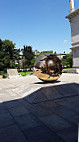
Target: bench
<point>12,73</point>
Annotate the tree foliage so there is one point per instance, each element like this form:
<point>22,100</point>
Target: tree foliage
<point>8,55</point>
<point>28,55</point>
<point>67,60</point>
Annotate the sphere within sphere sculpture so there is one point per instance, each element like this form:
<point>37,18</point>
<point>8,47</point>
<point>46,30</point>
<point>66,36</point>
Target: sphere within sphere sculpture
<point>48,67</point>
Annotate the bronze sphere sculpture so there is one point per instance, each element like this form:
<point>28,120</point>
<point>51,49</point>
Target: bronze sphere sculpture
<point>48,67</point>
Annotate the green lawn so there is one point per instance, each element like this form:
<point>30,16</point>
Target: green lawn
<point>68,68</point>
<point>23,73</point>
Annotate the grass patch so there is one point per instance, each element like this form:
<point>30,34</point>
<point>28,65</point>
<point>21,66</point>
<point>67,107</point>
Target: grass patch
<point>22,73</point>
<point>25,73</point>
<point>68,68</point>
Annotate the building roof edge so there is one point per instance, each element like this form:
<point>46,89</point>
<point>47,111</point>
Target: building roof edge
<point>72,14</point>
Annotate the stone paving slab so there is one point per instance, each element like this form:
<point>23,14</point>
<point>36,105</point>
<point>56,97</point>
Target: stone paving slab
<point>5,120</point>
<point>43,136</point>
<point>40,97</point>
<point>63,112</point>
<point>17,111</point>
<point>39,111</point>
<point>34,111</point>
<point>69,134</point>
<point>66,90</point>
<point>14,103</point>
<point>71,103</point>
<point>36,97</point>
<point>12,134</point>
<point>55,122</point>
<point>74,119</point>
<point>27,121</point>
<point>51,93</point>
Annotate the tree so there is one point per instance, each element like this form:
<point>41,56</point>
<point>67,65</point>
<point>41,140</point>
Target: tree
<point>28,55</point>
<point>8,54</point>
<point>47,52</point>
<point>1,55</point>
<point>67,60</point>
<point>55,53</point>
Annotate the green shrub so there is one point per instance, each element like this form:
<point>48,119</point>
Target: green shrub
<point>5,75</point>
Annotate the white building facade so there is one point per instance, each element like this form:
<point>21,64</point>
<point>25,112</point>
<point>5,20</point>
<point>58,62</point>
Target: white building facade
<point>74,22</point>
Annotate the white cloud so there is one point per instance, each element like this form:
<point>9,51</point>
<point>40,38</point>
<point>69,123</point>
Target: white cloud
<point>65,41</point>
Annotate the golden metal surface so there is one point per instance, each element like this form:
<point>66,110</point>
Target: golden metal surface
<point>48,67</point>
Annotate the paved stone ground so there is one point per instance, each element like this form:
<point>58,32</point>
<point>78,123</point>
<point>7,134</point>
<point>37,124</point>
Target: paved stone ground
<point>34,111</point>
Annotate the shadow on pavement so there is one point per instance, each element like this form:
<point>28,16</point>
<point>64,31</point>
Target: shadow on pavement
<point>50,114</point>
<point>43,82</point>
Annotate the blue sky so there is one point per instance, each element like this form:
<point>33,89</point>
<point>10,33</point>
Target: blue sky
<point>39,23</point>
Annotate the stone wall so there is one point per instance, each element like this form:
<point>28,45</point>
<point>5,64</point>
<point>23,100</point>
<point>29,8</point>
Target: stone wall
<point>75,39</point>
<point>75,57</point>
<point>75,30</point>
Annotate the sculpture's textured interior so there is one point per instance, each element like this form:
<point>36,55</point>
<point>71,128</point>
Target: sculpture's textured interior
<point>48,67</point>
